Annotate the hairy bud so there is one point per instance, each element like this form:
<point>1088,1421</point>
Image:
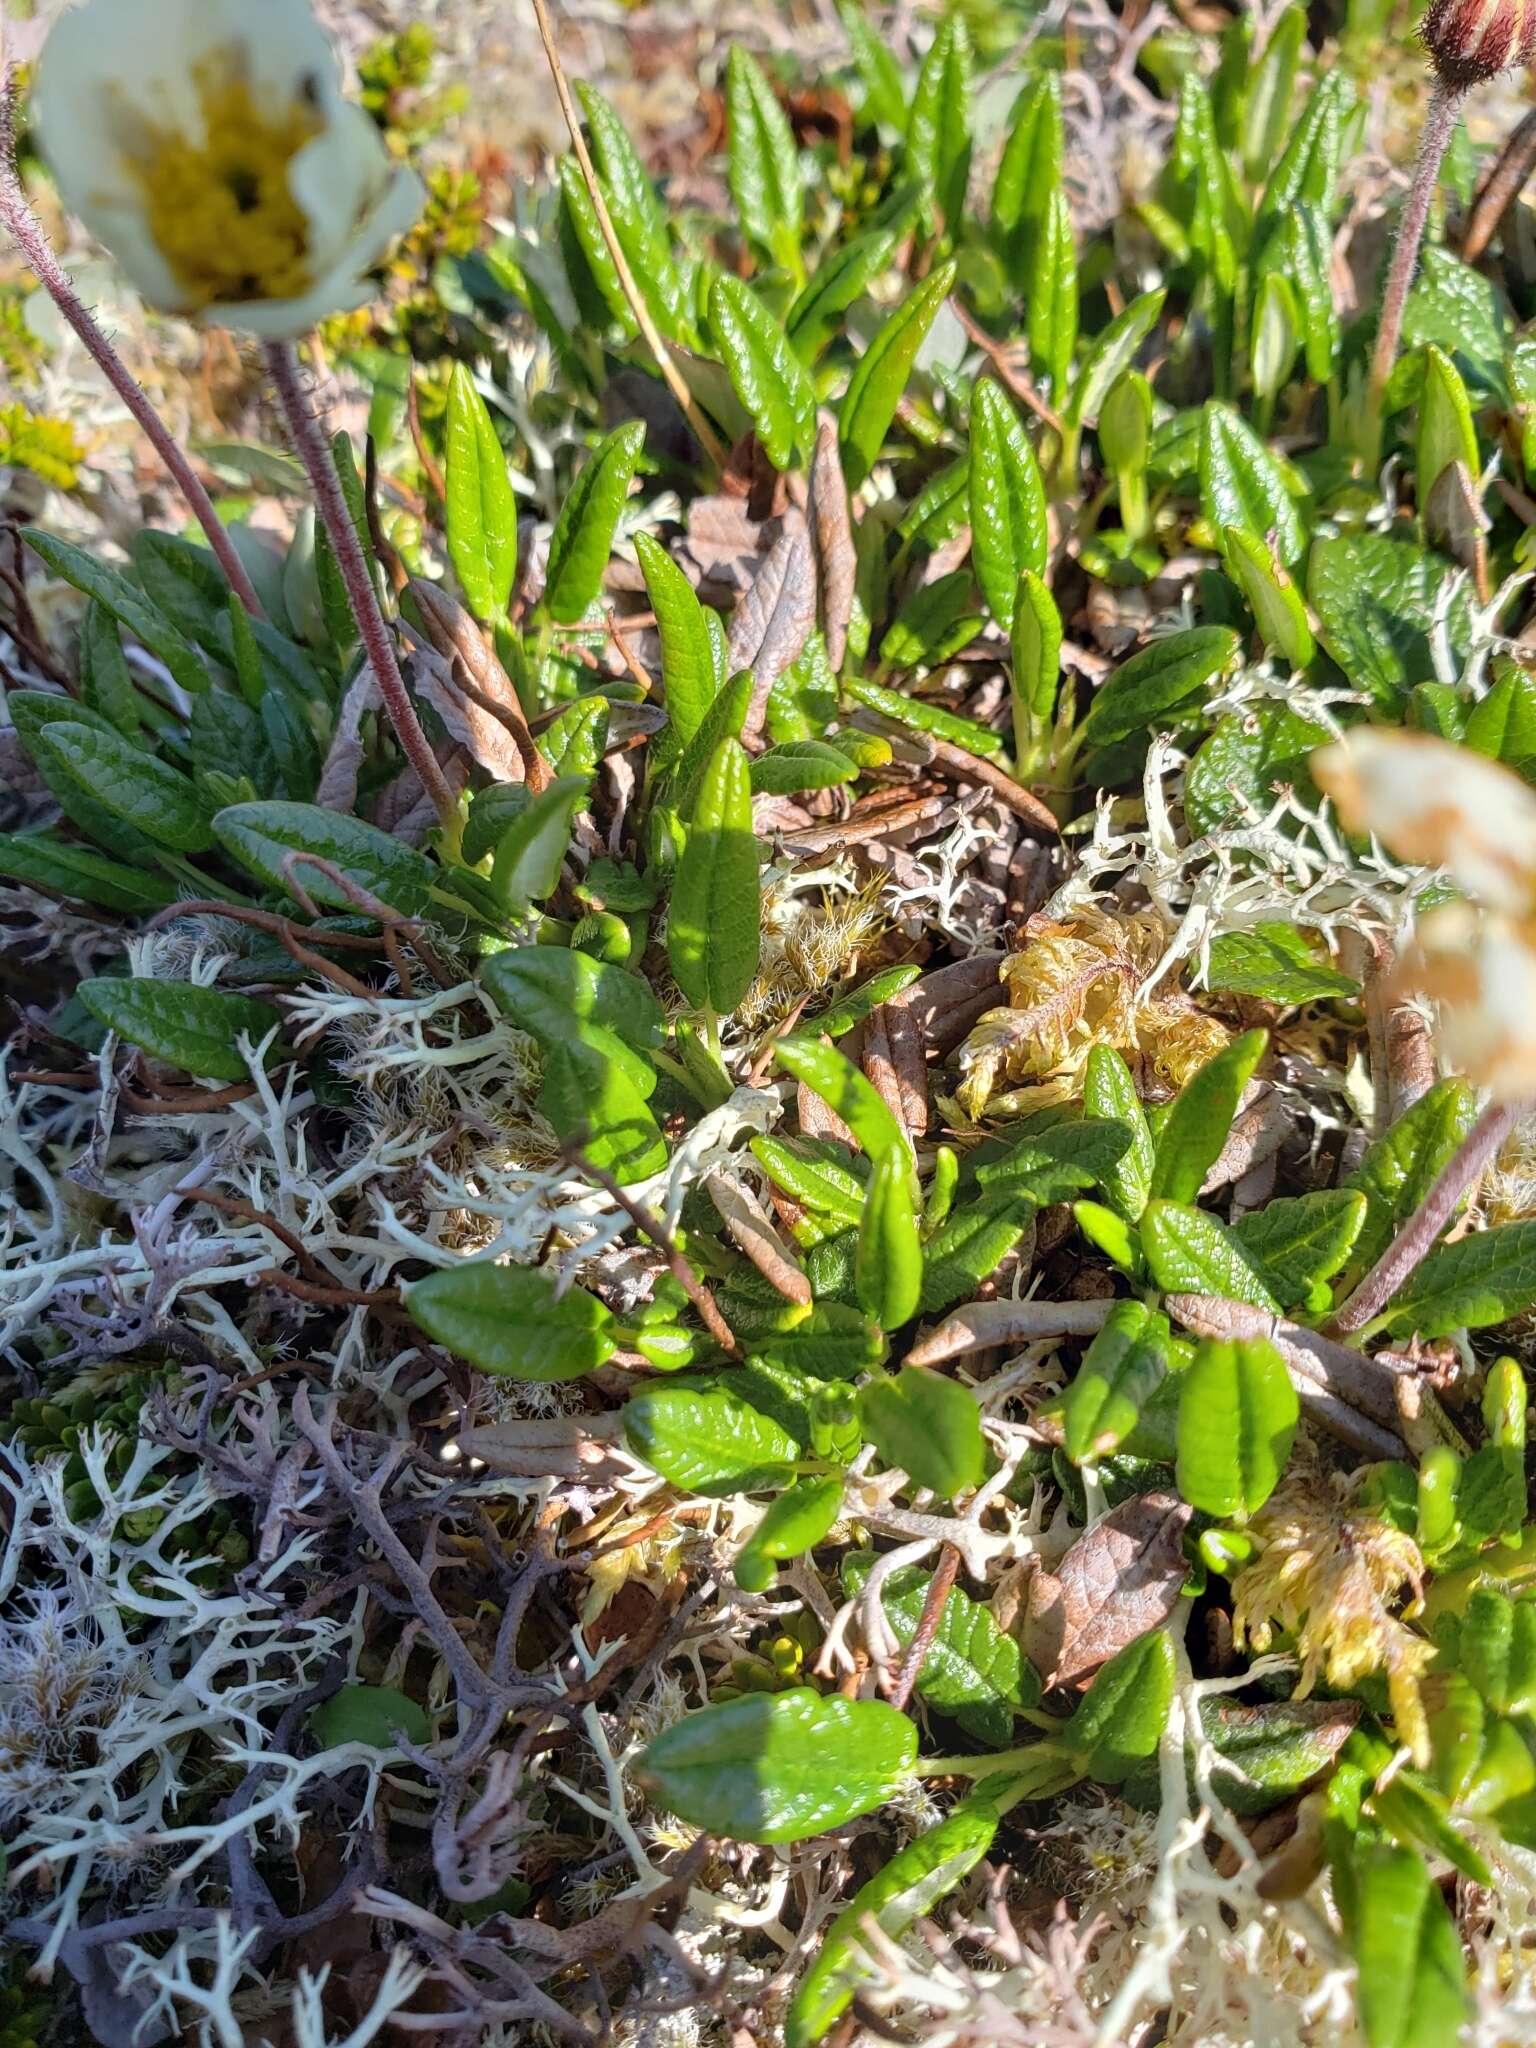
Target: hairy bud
<point>1470,40</point>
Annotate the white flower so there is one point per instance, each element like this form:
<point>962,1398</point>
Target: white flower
<point>1438,804</point>
<point>1445,806</point>
<point>207,144</point>
<point>1481,973</point>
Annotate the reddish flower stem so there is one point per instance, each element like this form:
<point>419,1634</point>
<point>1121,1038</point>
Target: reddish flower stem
<point>1421,1232</point>
<point>310,446</point>
<point>1439,126</point>
<point>17,214</point>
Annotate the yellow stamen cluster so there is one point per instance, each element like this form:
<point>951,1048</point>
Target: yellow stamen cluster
<point>219,207</point>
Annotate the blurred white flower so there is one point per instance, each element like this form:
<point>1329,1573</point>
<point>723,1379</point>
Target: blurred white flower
<point>207,144</point>
<point>1438,804</point>
<point>1447,807</point>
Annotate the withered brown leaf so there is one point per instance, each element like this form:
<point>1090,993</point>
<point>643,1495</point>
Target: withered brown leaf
<point>1121,1578</point>
<point>775,616</point>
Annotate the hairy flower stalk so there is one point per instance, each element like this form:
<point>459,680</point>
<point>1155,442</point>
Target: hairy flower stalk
<point>310,447</point>
<point>1468,42</point>
<point>23,224</point>
<point>1420,1234</point>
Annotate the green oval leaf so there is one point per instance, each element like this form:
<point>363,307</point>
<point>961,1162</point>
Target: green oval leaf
<point>779,1767</point>
<point>181,1023</point>
<point>939,121</point>
<point>1412,1976</point>
<point>1121,1369</point>
<point>374,1714</point>
<point>1007,497</point>
<point>1237,1419</point>
<point>61,869</point>
<point>1486,1278</point>
<point>706,1437</point>
<point>714,922</point>
<point>481,510</point>
<point>927,1425</point>
<point>582,540</point>
<point>763,163</point>
<point>510,1321</point>
<point>262,837</point>
<point>143,619</point>
<point>903,1892</point>
<point>888,1267</point>
<point>1159,683</point>
<point>1121,1717</point>
<point>766,374</point>
<point>1241,484</point>
<point>880,375</point>
<point>1192,1252</point>
<point>154,799</point>
<point>1191,1140</point>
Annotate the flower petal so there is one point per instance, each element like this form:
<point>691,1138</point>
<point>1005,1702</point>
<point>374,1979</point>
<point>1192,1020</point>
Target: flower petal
<point>1440,805</point>
<point>344,286</point>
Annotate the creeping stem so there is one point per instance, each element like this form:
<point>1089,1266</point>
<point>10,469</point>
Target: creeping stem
<point>310,446</point>
<point>17,214</point>
<point>1421,1232</point>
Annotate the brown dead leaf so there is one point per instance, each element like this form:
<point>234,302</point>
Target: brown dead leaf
<point>337,790</point>
<point>1120,1579</point>
<point>775,615</point>
<point>724,542</point>
<point>832,530</point>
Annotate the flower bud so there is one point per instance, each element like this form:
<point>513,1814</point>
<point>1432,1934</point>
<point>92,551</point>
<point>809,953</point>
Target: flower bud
<point>1470,40</point>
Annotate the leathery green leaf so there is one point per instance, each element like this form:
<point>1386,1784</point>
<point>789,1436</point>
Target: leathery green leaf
<point>906,1890</point>
<point>714,924</point>
<point>766,374</point>
<point>582,540</point>
<point>511,1322</point>
<point>780,1767</point>
<point>181,1022</point>
<point>1159,683</point>
<point>687,663</point>
<point>1121,1369</point>
<point>969,1246</point>
<point>1110,1092</point>
<point>1202,1114</point>
<point>1237,1419</point>
<point>1401,1167</point>
<point>1472,1283</point>
<point>974,1670</point>
<point>888,1268</point>
<point>1121,1717</point>
<point>481,510</point>
<point>794,1523</point>
<point>763,163</point>
<point>705,1436</point>
<point>1241,484</point>
<point>1028,172</point>
<point>939,121</point>
<point>881,373</point>
<point>1412,1976</point>
<point>144,792</point>
<point>927,1425</point>
<point>1008,524</point>
<point>1192,1252</point>
<point>1272,596</point>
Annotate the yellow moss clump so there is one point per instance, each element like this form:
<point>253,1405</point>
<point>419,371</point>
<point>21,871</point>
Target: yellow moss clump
<point>1331,1578</point>
<point>1075,984</point>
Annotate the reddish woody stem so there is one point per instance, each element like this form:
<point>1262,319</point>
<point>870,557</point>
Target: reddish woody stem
<point>310,446</point>
<point>24,225</point>
<point>1422,1230</point>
